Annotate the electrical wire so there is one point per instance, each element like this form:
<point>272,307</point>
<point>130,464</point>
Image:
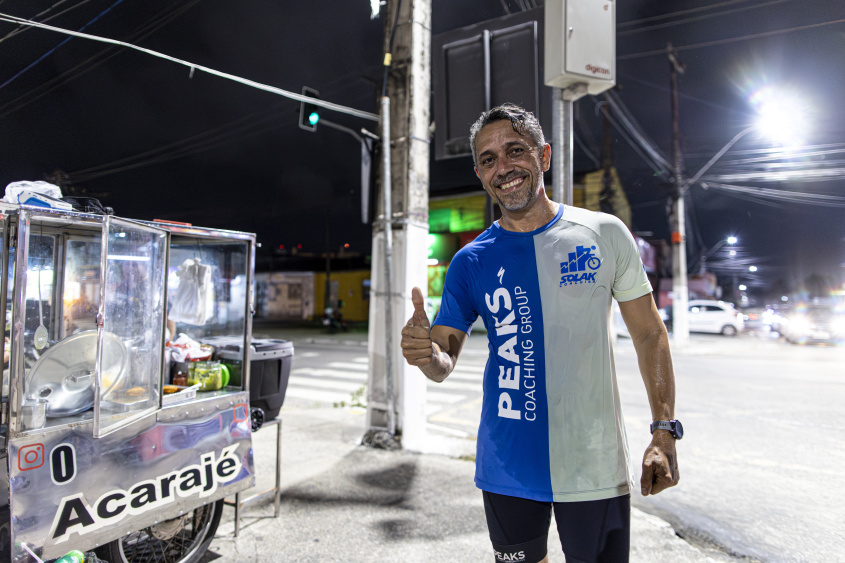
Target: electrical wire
<point>643,146</point>
<point>173,155</point>
<point>681,13</point>
<point>237,130</point>
<point>698,18</point>
<point>152,25</point>
<point>22,28</point>
<point>54,49</point>
<point>388,57</point>
<point>726,41</point>
<point>177,148</point>
<point>780,195</point>
<point>619,108</point>
<point>813,175</point>
<point>272,89</point>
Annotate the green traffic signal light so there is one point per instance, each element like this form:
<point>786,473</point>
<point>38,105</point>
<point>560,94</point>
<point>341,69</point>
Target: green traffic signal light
<point>309,114</point>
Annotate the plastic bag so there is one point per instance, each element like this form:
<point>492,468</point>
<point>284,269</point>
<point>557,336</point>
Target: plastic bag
<point>193,302</point>
<point>14,190</point>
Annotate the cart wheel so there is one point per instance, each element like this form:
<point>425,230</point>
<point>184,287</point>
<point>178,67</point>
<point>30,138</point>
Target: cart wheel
<point>257,416</point>
<point>183,539</point>
<point>5,533</point>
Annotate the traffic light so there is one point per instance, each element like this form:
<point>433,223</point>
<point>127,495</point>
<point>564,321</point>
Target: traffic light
<point>309,114</point>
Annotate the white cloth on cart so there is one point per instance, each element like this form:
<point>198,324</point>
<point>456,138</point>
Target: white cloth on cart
<point>193,302</point>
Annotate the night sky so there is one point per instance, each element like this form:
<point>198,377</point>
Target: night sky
<point>152,141</point>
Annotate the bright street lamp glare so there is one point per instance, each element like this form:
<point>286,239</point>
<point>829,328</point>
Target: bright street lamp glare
<point>781,116</point>
<point>732,253</point>
<point>752,268</point>
<point>732,240</point>
<point>743,287</point>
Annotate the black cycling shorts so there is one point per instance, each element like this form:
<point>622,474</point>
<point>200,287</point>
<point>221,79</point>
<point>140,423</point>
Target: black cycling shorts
<point>590,531</point>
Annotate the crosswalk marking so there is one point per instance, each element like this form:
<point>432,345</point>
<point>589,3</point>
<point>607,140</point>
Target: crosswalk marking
<point>357,366</point>
<point>321,396</point>
<point>331,384</point>
<point>452,403</point>
<point>328,373</point>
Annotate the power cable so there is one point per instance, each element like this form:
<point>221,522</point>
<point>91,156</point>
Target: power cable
<point>53,50</point>
<point>145,30</point>
<point>22,28</point>
<point>780,195</point>
<point>210,135</point>
<point>726,41</point>
<point>236,130</point>
<point>630,121</point>
<point>388,57</point>
<point>698,18</point>
<point>681,13</point>
<point>816,174</point>
<point>651,156</point>
<point>245,132</point>
<point>257,85</point>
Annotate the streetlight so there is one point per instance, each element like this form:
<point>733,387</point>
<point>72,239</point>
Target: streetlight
<point>680,287</point>
<point>769,106</point>
<point>715,248</point>
<point>752,268</point>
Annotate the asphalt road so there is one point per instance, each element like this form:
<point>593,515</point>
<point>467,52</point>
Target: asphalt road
<point>762,464</point>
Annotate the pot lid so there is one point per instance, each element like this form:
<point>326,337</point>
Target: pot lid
<point>64,374</point>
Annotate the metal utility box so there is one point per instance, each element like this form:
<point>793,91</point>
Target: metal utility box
<point>269,369</point>
<point>580,44</point>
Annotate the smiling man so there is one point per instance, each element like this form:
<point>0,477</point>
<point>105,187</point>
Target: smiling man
<point>542,278</point>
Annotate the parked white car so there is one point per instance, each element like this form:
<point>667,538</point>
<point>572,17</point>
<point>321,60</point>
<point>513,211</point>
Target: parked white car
<point>717,317</point>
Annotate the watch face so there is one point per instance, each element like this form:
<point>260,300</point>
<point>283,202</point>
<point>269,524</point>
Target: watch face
<point>679,429</point>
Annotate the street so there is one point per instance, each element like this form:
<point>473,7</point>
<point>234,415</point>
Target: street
<point>761,463</point>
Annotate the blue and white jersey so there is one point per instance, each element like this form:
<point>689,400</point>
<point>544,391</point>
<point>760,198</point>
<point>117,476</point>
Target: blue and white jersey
<point>551,421</point>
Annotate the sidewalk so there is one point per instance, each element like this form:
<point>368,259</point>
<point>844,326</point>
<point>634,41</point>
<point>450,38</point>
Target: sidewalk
<point>345,502</point>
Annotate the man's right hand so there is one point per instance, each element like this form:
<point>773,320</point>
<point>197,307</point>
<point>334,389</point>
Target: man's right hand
<point>416,334</point>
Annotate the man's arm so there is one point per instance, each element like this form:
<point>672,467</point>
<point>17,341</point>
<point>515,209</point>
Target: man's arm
<point>434,350</point>
<point>660,463</point>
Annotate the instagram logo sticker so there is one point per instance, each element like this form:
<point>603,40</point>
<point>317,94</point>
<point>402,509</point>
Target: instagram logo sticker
<point>31,457</point>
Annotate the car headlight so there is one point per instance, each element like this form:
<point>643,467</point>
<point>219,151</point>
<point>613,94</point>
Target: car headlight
<point>799,325</point>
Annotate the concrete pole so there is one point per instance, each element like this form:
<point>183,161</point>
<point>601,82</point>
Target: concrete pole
<point>680,289</point>
<point>387,189</point>
<point>409,90</point>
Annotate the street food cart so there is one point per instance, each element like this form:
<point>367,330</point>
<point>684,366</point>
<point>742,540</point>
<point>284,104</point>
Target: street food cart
<point>98,450</point>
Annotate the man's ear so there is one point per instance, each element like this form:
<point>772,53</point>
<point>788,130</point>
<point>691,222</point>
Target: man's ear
<point>547,157</point>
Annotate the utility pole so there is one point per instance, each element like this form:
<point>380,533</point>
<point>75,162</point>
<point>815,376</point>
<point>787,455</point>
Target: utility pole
<point>680,290</point>
<point>396,391</point>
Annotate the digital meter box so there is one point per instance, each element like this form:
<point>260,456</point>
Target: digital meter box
<point>269,369</point>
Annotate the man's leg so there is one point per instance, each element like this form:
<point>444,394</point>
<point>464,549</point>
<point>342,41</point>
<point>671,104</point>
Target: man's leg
<point>519,528</point>
<point>595,531</point>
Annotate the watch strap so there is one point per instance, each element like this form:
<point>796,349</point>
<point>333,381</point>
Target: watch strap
<point>669,425</point>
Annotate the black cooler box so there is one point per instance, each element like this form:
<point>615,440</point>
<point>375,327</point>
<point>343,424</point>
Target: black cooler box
<point>269,369</point>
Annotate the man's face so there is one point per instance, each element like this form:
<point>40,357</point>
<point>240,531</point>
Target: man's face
<point>509,166</point>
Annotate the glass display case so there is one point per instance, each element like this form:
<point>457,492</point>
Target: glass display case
<point>95,308</point>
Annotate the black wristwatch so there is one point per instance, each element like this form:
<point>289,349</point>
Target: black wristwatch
<point>675,428</point>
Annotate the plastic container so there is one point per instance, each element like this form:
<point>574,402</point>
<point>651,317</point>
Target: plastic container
<point>270,365</point>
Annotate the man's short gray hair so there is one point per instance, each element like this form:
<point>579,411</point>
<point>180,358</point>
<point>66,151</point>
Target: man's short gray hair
<point>522,121</point>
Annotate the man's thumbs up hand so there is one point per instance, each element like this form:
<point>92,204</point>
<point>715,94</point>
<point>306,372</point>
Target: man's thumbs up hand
<point>416,334</point>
